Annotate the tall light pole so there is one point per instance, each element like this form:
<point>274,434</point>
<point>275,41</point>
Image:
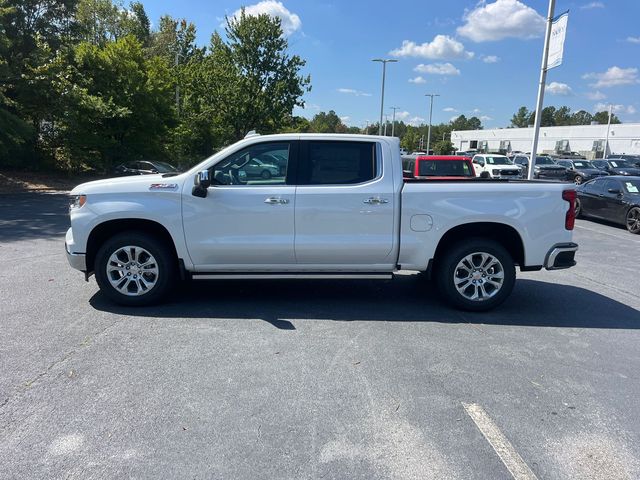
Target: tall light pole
<point>384,62</point>
<point>430,95</point>
<point>606,141</point>
<point>393,121</point>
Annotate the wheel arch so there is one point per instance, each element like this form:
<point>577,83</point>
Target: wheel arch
<point>105,230</point>
<point>504,234</point>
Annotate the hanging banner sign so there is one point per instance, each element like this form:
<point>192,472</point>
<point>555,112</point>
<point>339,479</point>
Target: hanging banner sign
<point>556,42</point>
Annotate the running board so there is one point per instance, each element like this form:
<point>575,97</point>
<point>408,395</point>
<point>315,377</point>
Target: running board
<point>292,275</point>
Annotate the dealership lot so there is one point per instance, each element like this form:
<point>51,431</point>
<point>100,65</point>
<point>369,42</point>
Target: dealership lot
<point>315,379</point>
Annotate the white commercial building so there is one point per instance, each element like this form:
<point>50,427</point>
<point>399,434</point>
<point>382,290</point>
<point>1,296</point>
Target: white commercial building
<point>588,140</point>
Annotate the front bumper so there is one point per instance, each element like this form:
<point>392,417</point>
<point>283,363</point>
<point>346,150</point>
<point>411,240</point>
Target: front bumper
<point>75,259</point>
<point>560,256</point>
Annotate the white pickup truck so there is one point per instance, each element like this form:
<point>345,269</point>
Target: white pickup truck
<point>338,207</point>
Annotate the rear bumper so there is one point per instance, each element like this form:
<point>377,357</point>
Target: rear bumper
<point>561,255</point>
<point>76,260</point>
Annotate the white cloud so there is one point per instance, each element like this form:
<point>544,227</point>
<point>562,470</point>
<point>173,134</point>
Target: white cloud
<point>604,107</point>
<point>442,47</point>
<point>402,115</point>
<point>633,39</point>
<point>416,121</point>
<point>612,77</point>
<point>290,21</point>
<point>490,59</point>
<point>597,95</point>
<point>449,109</point>
<point>476,110</point>
<point>417,80</point>
<point>352,91</point>
<point>501,19</point>
<point>345,119</point>
<point>591,5</point>
<point>485,118</point>
<point>453,119</point>
<point>438,69</point>
<point>557,88</point>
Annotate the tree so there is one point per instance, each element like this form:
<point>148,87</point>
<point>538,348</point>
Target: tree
<point>603,118</point>
<point>115,105</point>
<point>464,123</point>
<point>443,147</point>
<point>522,118</point>
<point>327,123</point>
<point>581,117</point>
<point>562,116</point>
<point>260,82</point>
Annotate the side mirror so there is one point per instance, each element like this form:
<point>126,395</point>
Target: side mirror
<point>201,183</point>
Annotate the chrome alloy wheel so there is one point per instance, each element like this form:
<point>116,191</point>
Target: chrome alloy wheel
<point>132,270</point>
<point>479,276</point>
<point>633,220</point>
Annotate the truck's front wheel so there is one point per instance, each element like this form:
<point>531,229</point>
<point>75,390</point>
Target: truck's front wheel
<point>135,269</point>
<point>476,275</point>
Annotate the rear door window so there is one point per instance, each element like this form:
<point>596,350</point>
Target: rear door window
<point>337,163</point>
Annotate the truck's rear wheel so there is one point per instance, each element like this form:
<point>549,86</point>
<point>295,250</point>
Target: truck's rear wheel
<point>476,275</point>
<point>135,269</point>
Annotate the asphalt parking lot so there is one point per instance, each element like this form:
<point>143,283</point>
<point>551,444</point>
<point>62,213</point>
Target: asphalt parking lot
<point>316,379</point>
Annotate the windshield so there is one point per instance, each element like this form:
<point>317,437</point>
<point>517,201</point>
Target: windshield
<point>631,186</point>
<point>619,164</point>
<point>544,161</point>
<point>444,168</point>
<point>498,160</point>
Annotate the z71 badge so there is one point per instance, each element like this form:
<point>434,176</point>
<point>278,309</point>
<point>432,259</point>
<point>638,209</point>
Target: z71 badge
<point>163,186</point>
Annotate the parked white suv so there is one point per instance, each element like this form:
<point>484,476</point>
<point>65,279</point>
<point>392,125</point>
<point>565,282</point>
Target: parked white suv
<point>496,166</point>
<point>340,209</point>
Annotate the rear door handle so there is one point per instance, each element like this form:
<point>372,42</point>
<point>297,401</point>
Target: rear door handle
<point>376,201</point>
<point>276,201</point>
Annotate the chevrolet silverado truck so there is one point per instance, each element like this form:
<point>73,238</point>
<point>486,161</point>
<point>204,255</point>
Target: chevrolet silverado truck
<point>340,209</point>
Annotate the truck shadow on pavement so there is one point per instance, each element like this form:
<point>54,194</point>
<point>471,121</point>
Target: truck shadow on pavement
<point>33,215</point>
<point>407,298</point>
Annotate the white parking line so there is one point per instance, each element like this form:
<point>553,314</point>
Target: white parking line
<point>511,459</point>
<point>619,237</point>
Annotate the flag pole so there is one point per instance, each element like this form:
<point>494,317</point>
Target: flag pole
<point>543,79</point>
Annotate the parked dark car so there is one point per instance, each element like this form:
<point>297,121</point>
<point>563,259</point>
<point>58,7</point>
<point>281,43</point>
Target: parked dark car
<point>545,168</point>
<point>615,198</point>
<point>143,167</point>
<point>581,171</point>
<point>632,159</point>
<point>617,167</point>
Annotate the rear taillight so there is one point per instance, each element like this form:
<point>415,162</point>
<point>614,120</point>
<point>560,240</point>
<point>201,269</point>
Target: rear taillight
<point>570,218</point>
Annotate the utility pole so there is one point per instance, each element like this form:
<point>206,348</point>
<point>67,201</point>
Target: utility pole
<point>386,121</point>
<point>384,62</point>
<point>606,141</point>
<point>177,86</point>
<point>543,79</point>
<point>393,121</point>
<point>430,95</point>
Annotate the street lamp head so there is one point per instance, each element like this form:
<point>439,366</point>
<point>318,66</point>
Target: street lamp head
<point>384,60</point>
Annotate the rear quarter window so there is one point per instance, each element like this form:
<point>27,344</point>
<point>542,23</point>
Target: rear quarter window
<point>338,163</point>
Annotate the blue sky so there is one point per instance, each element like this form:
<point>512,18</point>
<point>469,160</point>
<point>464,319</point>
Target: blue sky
<point>483,58</point>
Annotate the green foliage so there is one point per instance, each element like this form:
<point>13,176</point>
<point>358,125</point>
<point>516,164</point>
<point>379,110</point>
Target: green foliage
<point>327,123</point>
<point>560,116</point>
<point>443,147</point>
<point>464,123</point>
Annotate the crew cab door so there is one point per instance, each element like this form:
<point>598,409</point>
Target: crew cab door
<point>344,206</point>
<point>246,221</point>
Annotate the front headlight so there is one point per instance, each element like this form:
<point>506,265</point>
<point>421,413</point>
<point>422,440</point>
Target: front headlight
<point>77,201</point>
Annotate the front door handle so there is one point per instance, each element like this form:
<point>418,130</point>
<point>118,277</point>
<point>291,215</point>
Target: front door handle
<point>276,201</point>
<point>376,201</point>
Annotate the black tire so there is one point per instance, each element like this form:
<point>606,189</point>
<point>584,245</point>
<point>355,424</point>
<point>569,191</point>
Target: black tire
<point>632,220</point>
<point>578,208</point>
<point>578,180</point>
<point>447,272</point>
<point>167,270</point>
<point>266,174</point>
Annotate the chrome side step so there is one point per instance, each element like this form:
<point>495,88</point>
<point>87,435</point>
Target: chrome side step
<point>292,275</point>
